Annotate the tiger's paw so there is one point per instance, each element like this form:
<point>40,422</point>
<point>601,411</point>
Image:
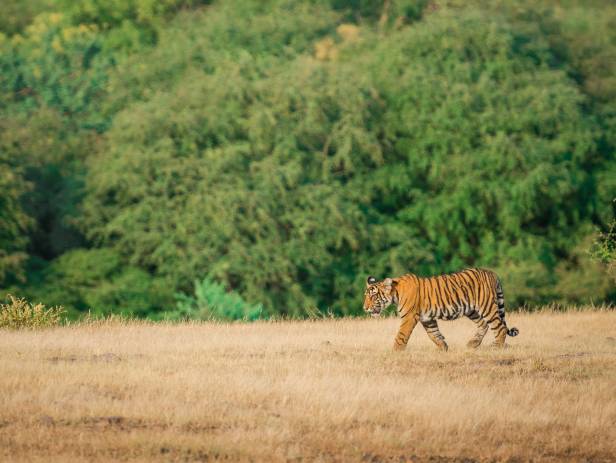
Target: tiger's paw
<point>443,347</point>
<point>473,343</point>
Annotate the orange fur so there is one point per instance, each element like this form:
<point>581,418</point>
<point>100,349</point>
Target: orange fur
<point>475,293</point>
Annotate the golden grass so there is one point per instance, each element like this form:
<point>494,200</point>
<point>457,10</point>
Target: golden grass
<point>330,390</point>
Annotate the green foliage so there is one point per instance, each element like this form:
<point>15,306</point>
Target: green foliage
<point>212,302</point>
<point>604,249</point>
<point>498,151</point>
<point>54,64</point>
<point>286,149</point>
<point>130,23</point>
<point>48,150</point>
<point>17,14</point>
<point>14,222</point>
<point>97,281</point>
<point>256,221</point>
<point>112,13</point>
<point>216,37</point>
<point>384,11</point>
<point>20,314</point>
<point>579,279</point>
<point>291,181</point>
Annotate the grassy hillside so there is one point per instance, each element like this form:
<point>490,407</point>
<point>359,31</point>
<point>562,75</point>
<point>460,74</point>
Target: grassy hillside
<point>329,390</point>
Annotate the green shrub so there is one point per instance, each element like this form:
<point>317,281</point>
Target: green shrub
<point>14,221</point>
<point>17,14</point>
<point>384,11</point>
<point>604,249</point>
<point>129,24</point>
<point>212,302</point>
<point>20,314</point>
<point>113,13</point>
<point>99,282</point>
<point>56,64</point>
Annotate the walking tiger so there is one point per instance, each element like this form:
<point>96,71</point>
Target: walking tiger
<point>475,293</point>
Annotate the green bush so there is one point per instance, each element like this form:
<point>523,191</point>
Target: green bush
<point>128,24</point>
<point>114,13</point>
<point>97,281</point>
<point>14,221</point>
<point>604,249</point>
<point>381,11</point>
<point>57,65</point>
<point>17,14</point>
<point>212,302</point>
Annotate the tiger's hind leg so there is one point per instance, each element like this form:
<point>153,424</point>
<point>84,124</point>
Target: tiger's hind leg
<point>482,329</point>
<point>497,326</point>
<point>431,328</point>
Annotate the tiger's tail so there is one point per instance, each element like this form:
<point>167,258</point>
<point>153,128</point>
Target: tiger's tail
<point>500,301</point>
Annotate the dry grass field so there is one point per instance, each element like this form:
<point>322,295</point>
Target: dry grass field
<point>330,390</point>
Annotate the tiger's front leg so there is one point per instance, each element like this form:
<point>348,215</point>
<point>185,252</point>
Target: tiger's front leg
<point>409,320</point>
<point>435,335</point>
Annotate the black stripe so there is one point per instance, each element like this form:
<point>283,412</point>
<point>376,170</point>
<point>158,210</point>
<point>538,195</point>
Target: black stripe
<point>469,284</point>
<point>449,284</point>
<point>488,293</point>
<point>417,301</point>
<point>443,292</point>
<point>464,291</point>
<point>421,291</point>
<point>430,305</point>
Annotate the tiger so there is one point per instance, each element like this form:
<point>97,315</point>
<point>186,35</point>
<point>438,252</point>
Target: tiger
<point>473,292</point>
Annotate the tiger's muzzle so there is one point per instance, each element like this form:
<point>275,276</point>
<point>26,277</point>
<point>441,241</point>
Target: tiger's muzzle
<point>373,311</point>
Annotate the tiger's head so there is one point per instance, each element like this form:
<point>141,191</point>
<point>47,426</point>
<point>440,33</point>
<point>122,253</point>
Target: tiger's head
<point>378,295</point>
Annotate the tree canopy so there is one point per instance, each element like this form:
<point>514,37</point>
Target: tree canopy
<point>284,150</point>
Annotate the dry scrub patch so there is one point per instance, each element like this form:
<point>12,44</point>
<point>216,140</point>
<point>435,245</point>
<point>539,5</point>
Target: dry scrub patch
<point>329,390</point>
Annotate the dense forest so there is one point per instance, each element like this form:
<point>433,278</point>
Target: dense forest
<point>249,158</point>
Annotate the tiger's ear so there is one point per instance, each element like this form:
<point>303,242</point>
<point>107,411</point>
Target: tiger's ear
<point>371,280</point>
<point>389,283</point>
